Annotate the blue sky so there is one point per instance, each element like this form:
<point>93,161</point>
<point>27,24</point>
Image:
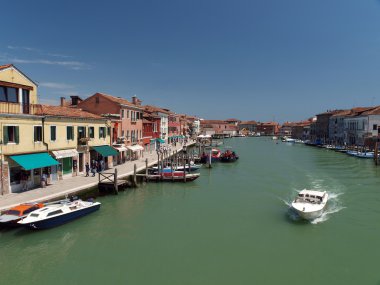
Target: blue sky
<point>283,60</point>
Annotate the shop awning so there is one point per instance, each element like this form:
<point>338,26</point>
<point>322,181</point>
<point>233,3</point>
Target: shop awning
<point>120,148</point>
<point>34,160</point>
<point>64,153</point>
<point>135,147</point>
<point>105,150</point>
<point>160,140</point>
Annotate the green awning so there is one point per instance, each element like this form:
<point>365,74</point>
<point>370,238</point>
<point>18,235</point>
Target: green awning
<point>105,150</point>
<point>160,140</point>
<point>34,160</point>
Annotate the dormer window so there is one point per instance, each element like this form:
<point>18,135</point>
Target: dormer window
<point>8,94</point>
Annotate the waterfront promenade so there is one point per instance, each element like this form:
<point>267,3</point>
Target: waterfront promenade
<point>78,183</point>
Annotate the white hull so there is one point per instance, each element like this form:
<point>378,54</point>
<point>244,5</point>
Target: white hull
<point>309,215</point>
<point>309,205</point>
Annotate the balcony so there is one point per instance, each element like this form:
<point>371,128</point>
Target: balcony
<point>17,108</point>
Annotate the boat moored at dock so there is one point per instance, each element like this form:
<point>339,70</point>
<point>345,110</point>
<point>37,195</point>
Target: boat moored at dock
<point>58,214</point>
<point>15,214</point>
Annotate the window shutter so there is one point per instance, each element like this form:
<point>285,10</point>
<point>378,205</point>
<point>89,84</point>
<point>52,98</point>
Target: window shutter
<point>17,136</point>
<point>5,135</point>
<point>72,133</point>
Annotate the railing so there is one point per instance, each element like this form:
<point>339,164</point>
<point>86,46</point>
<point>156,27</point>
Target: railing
<point>17,108</point>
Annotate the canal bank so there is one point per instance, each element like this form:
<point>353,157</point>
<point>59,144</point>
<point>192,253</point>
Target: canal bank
<point>81,183</point>
<point>230,226</point>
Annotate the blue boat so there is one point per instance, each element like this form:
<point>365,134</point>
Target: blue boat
<point>58,214</point>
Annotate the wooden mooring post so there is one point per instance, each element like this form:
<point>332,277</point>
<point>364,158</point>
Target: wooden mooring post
<point>376,153</point>
<point>134,178</point>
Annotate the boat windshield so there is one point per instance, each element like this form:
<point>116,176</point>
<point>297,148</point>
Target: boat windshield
<point>13,212</point>
<point>34,215</point>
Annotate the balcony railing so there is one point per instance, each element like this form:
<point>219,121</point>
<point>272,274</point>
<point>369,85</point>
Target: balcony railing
<point>17,108</point>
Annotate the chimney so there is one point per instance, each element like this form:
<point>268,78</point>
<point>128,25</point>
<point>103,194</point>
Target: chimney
<point>63,101</point>
<point>134,100</point>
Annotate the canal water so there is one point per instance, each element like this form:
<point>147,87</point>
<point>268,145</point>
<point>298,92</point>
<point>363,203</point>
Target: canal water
<point>231,226</point>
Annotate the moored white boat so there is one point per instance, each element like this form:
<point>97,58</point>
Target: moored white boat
<point>57,214</point>
<point>310,204</point>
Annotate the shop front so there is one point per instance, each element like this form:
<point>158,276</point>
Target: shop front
<point>103,156</point>
<point>135,151</point>
<point>28,171</point>
<point>122,154</point>
<point>68,160</point>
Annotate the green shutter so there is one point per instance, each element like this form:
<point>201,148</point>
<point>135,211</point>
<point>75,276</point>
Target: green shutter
<point>17,136</point>
<point>53,135</point>
<point>5,135</point>
<point>100,132</point>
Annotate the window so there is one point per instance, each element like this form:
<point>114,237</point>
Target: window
<point>70,133</point>
<point>108,131</point>
<point>127,113</point>
<point>127,134</point>
<point>8,94</point>
<point>81,132</point>
<point>122,133</point>
<point>12,95</point>
<point>91,132</point>
<point>54,213</point>
<point>122,113</point>
<point>374,127</point>
<point>102,132</point>
<point>37,133</point>
<point>10,134</point>
<point>97,100</point>
<point>53,133</point>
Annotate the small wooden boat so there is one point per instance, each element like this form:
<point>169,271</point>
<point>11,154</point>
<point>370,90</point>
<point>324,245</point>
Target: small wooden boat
<point>229,156</point>
<point>10,217</point>
<point>58,214</point>
<point>215,156</point>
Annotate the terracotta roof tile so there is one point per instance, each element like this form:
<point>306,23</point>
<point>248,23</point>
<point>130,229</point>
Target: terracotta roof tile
<point>5,66</point>
<point>119,100</point>
<point>151,109</point>
<point>59,111</point>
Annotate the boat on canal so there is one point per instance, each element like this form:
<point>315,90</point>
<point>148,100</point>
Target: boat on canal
<point>167,174</point>
<point>229,156</point>
<point>57,214</point>
<point>310,204</point>
<point>215,156</point>
<point>10,217</point>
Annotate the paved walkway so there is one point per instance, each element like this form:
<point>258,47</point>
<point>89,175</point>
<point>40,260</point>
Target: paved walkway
<point>73,185</point>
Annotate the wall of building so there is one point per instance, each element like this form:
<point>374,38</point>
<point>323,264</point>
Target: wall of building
<point>26,142</point>
<point>14,76</point>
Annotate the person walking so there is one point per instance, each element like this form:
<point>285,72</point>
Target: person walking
<point>87,169</point>
<point>93,169</point>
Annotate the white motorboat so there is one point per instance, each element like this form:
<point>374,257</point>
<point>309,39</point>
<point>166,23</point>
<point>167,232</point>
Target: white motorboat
<point>310,204</point>
<point>57,214</point>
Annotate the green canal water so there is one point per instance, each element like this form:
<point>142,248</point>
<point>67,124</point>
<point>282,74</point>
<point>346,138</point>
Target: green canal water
<point>231,226</point>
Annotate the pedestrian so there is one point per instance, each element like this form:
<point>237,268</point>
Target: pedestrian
<point>87,169</point>
<point>24,181</point>
<point>93,169</point>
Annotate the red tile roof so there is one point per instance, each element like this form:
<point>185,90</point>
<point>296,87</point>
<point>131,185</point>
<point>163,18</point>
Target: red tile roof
<point>152,109</point>
<point>372,111</point>
<point>5,66</point>
<point>58,111</point>
<point>248,123</point>
<point>118,100</point>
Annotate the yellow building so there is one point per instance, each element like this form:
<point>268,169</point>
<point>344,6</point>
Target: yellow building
<point>41,144</point>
